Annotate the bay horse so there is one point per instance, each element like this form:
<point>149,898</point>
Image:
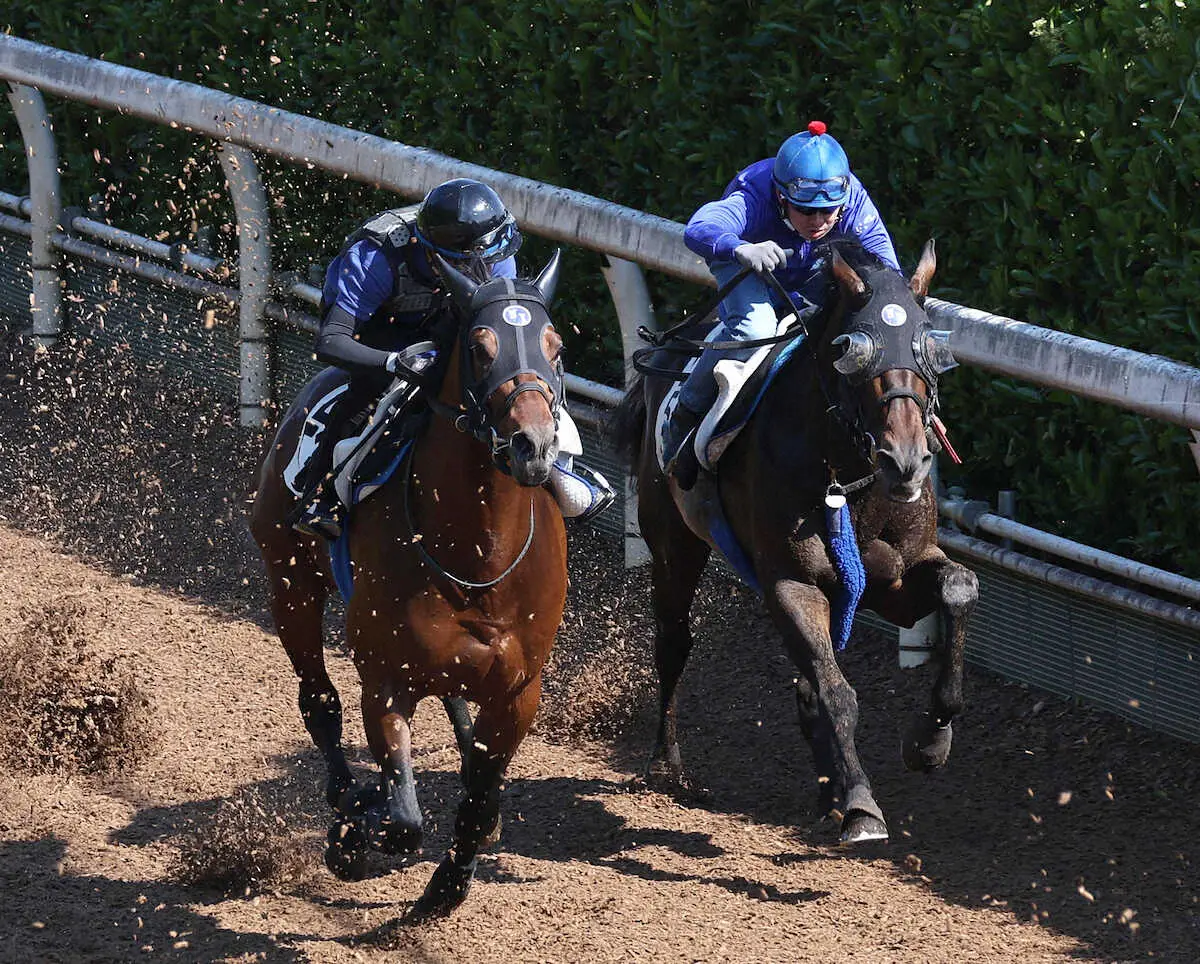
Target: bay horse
<point>460,575</point>
<point>849,414</point>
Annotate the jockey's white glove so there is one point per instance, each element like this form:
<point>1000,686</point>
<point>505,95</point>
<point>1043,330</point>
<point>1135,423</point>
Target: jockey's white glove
<point>760,257</point>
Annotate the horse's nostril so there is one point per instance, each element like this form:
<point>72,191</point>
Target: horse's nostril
<point>523,446</point>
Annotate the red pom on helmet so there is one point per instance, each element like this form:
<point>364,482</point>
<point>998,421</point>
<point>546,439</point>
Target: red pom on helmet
<point>816,128</point>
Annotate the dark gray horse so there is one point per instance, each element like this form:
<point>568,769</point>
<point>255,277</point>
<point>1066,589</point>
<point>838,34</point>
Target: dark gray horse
<point>852,409</point>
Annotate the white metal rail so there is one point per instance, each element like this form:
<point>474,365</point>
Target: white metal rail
<point>1140,382</point>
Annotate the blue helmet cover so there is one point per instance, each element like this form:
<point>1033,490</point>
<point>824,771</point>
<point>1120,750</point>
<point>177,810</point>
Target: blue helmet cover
<point>812,170</point>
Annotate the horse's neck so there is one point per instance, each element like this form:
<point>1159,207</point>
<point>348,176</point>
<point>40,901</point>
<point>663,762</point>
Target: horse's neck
<point>455,482</point>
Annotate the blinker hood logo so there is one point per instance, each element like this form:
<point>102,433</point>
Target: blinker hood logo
<point>893,315</point>
<point>516,315</point>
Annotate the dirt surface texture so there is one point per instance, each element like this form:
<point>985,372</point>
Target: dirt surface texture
<point>1055,833</point>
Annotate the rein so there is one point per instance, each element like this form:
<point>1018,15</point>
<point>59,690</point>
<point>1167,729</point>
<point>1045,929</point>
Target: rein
<point>435,565</point>
<point>670,341</point>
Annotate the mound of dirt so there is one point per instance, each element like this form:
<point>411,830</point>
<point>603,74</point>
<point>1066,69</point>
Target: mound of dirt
<point>63,708</point>
<point>246,847</point>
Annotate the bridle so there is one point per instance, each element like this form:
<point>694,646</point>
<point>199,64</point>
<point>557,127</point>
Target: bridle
<point>517,315</point>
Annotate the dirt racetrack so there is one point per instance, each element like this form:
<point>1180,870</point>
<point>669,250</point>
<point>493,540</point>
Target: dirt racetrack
<point>1054,834</point>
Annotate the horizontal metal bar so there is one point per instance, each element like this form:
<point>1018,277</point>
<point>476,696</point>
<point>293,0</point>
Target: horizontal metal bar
<point>594,390</point>
<point>552,212</point>
<point>1076,582</point>
<point>292,317</point>
<point>967,514</point>
<point>124,239</point>
<point>124,262</point>
<point>1147,384</point>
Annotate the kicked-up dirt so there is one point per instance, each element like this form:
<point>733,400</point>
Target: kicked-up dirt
<point>196,833</point>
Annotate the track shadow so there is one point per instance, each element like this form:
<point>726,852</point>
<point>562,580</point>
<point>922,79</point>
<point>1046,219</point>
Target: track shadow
<point>1061,814</point>
<point>86,917</point>
<point>1066,816</point>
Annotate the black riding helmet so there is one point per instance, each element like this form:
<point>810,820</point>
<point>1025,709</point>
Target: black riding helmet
<point>463,219</point>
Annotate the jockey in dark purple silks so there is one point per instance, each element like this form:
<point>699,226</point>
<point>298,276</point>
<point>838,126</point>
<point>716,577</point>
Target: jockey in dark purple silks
<point>804,194</point>
<point>382,294</point>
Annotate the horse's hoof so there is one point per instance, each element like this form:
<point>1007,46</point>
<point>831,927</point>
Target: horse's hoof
<point>446,890</point>
<point>346,852</point>
<point>861,828</point>
<point>927,745</point>
<point>664,772</point>
<point>391,836</point>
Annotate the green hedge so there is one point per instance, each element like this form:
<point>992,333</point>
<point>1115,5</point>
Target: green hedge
<point>1052,149</point>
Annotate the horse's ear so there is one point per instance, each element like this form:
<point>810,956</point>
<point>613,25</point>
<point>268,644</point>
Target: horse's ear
<point>919,283</point>
<point>547,281</point>
<point>461,287</point>
<point>848,278</point>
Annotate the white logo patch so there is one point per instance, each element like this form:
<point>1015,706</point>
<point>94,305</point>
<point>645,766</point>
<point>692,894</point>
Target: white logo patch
<point>517,315</point>
<point>893,315</point>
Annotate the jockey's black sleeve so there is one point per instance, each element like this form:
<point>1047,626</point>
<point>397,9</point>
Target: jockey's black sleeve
<point>336,345</point>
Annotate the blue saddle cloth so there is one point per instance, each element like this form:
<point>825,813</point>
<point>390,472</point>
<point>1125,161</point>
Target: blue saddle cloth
<point>339,550</point>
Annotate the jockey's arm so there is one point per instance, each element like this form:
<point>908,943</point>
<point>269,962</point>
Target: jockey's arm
<point>866,225</point>
<point>718,227</point>
<point>337,344</point>
<point>362,284</point>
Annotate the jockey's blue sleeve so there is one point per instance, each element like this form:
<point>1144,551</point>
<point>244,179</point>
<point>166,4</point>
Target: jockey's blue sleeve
<point>505,269</point>
<point>360,280</point>
<point>749,213</point>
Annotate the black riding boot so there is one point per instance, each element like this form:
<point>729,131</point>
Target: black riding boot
<point>322,512</point>
<point>679,451</point>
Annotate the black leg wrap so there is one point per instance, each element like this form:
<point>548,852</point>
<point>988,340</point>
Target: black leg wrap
<point>926,744</point>
<point>446,889</point>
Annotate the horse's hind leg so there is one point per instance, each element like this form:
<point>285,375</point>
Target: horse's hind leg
<point>952,590</point>
<point>801,612</point>
<point>298,593</point>
<point>499,730</point>
<point>679,558</point>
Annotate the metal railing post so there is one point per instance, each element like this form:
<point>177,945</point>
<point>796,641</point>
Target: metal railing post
<point>254,281</point>
<point>631,298</point>
<point>45,216</point>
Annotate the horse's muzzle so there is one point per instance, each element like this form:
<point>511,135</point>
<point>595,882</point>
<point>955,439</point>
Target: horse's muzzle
<point>904,471</point>
<point>531,456</point>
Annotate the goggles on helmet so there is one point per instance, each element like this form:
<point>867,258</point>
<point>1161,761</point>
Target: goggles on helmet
<point>806,191</point>
<point>492,246</point>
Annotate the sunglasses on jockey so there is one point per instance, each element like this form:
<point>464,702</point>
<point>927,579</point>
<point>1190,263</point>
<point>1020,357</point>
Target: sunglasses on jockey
<point>488,247</point>
<point>804,192</point>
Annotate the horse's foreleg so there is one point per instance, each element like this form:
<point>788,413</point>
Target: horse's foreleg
<point>801,612</point>
<point>299,590</point>
<point>814,726</point>
<point>460,718</point>
<point>952,590</point>
<point>391,817</point>
<point>499,730</point>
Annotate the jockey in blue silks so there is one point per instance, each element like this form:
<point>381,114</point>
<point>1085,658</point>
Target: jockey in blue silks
<point>382,293</point>
<point>802,195</point>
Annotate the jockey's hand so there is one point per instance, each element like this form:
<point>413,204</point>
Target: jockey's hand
<point>760,257</point>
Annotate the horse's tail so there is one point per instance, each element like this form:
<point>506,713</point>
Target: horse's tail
<point>626,424</point>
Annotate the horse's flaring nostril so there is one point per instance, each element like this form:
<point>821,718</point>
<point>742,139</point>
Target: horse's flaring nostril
<point>523,447</point>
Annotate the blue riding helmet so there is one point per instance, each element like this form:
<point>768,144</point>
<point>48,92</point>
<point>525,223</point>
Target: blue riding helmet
<point>811,169</point>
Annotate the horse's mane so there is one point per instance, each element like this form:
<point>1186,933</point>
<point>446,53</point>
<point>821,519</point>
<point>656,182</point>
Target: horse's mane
<point>853,253</point>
